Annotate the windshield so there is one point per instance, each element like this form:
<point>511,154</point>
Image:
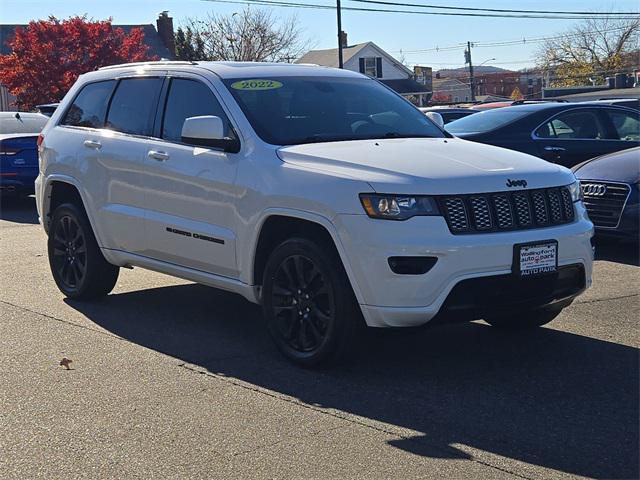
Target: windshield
<point>295,110</point>
<point>24,123</point>
<point>485,121</point>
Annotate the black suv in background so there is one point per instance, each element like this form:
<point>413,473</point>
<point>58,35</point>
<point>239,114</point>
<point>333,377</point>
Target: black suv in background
<point>562,133</point>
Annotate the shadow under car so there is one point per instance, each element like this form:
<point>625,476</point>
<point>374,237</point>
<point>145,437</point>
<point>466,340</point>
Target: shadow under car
<point>547,397</point>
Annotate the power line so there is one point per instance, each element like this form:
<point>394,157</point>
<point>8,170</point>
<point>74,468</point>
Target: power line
<point>543,73</point>
<point>525,13</point>
<point>504,43</point>
<point>455,65</point>
<point>286,4</point>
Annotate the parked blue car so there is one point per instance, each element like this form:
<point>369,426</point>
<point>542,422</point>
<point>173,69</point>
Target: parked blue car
<point>19,151</point>
<point>611,193</point>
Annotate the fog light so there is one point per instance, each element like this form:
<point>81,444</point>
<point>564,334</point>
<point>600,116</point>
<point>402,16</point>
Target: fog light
<point>411,265</point>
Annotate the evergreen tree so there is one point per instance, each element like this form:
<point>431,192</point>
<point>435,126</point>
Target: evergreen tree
<point>189,45</point>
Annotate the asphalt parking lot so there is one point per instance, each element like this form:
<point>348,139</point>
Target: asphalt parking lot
<point>174,380</point>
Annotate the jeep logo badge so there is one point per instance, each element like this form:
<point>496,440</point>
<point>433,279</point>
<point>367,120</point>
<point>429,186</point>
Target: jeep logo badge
<point>516,183</point>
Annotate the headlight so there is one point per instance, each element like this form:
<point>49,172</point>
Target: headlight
<point>576,191</point>
<point>397,207</point>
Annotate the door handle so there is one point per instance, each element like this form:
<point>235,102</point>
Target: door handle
<point>554,149</point>
<point>157,155</point>
<point>92,144</point>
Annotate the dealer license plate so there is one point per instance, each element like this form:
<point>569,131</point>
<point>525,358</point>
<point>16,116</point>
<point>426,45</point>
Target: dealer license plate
<point>537,259</point>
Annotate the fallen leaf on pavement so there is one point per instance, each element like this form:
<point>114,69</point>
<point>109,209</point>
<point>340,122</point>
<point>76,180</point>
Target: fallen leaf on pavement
<point>65,363</point>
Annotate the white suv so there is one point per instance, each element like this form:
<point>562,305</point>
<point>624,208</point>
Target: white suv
<point>318,193</point>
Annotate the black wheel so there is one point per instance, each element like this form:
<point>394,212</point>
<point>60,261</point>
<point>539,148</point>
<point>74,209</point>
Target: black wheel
<point>77,265</point>
<point>524,320</point>
<point>308,303</point>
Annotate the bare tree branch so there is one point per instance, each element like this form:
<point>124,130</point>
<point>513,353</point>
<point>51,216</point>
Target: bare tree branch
<point>593,50</point>
<point>250,35</point>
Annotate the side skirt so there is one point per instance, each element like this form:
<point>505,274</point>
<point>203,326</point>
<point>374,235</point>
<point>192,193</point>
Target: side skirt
<point>125,259</point>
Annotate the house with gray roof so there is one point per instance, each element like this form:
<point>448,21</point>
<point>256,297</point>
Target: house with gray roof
<point>370,59</point>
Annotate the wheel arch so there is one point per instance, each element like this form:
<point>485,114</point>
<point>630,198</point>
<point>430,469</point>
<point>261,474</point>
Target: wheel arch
<point>59,189</point>
<point>276,225</point>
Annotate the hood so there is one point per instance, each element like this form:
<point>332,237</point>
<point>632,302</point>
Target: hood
<point>621,166</point>
<point>427,165</point>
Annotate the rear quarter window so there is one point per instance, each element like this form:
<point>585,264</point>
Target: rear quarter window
<point>90,105</point>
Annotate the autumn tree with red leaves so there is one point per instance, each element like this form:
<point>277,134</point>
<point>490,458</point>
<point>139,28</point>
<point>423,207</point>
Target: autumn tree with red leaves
<point>48,55</point>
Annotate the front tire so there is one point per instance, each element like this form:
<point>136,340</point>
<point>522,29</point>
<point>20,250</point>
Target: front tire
<point>308,303</point>
<point>525,320</point>
<point>77,264</point>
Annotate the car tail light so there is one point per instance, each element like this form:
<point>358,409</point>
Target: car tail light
<point>40,140</point>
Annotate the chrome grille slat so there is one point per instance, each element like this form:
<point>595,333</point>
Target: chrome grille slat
<point>523,209</point>
<point>503,211</point>
<point>554,206</point>
<point>481,213</point>
<point>567,204</point>
<point>540,208</point>
<point>604,202</point>
<point>457,214</point>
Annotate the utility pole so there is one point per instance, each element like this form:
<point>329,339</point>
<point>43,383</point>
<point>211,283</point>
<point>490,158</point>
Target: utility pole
<point>472,83</point>
<point>339,13</point>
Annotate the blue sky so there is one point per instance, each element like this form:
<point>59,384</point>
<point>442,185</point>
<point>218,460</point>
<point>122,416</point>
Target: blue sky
<point>393,32</point>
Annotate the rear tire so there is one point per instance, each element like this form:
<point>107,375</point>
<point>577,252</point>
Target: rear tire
<point>524,320</point>
<point>308,304</point>
<point>77,264</point>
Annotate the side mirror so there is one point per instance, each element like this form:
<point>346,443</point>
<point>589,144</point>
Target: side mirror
<point>208,131</point>
<point>436,118</point>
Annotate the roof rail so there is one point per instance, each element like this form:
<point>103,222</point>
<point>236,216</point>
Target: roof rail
<point>546,100</point>
<point>158,62</point>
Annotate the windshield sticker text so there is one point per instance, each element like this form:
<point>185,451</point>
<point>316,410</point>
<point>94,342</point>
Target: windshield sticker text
<point>256,84</point>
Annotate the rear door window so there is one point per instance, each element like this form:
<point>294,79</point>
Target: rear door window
<point>133,106</point>
<point>626,125</point>
<point>90,105</point>
<point>189,98</point>
<point>574,125</point>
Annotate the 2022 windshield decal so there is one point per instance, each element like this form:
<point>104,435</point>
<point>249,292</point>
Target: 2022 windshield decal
<point>256,84</point>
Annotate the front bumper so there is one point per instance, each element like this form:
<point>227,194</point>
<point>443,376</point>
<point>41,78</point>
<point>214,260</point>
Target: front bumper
<point>628,228</point>
<point>393,300</point>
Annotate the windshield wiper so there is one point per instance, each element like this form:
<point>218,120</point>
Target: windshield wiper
<point>319,137</point>
<point>400,135</point>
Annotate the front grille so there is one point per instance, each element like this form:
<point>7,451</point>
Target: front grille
<point>502,211</point>
<point>604,202</point>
